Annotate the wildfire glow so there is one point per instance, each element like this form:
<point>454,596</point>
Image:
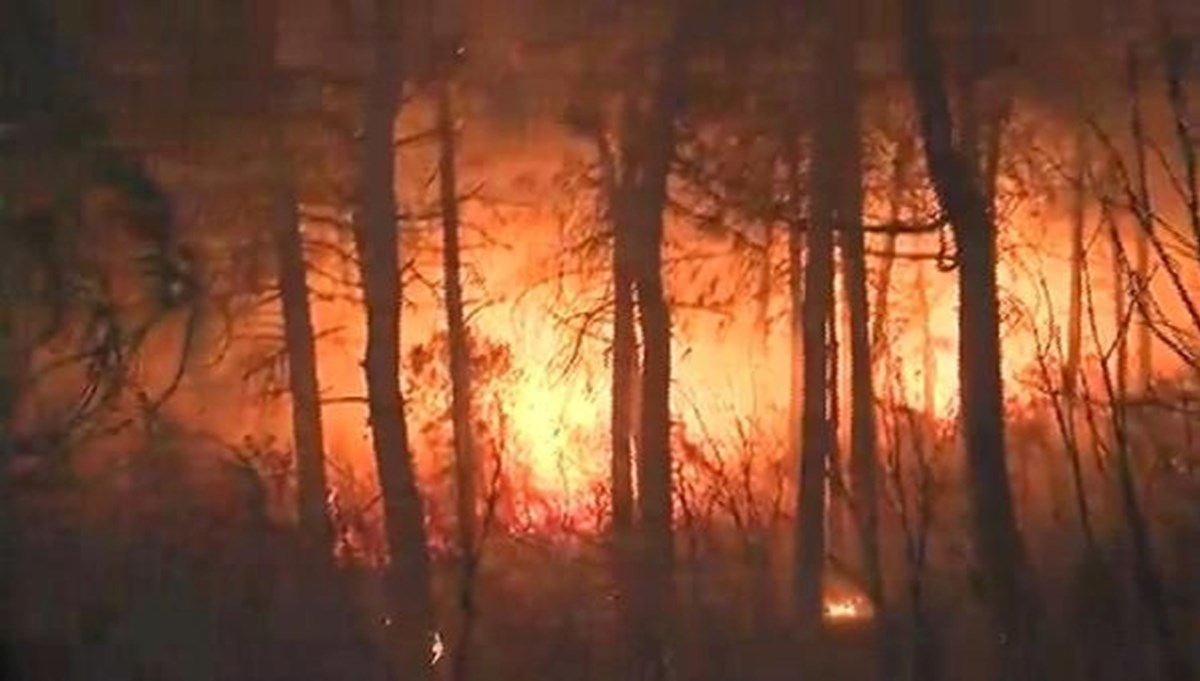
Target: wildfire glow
<point>547,413</point>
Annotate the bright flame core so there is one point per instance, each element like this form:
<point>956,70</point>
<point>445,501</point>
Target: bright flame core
<point>846,609</point>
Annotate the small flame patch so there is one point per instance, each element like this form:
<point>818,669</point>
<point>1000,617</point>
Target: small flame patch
<point>437,650</point>
<point>846,609</point>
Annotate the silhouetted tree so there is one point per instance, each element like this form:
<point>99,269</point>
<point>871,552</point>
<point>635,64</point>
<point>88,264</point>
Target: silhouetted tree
<point>960,186</point>
<point>376,237</point>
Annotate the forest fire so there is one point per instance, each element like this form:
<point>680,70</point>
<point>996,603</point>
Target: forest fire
<point>543,367</point>
<point>594,340</point>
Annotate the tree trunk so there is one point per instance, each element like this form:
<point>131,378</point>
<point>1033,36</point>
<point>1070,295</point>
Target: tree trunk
<point>308,437</point>
<point>863,455</point>
<point>307,427</point>
<point>929,367</point>
<point>466,472</point>
<point>625,373</point>
<point>460,376</point>
<point>796,249</point>
<point>1073,363</point>
<point>376,237</point>
<point>654,149</point>
<point>1075,301</point>
<point>955,178</point>
<point>624,344</point>
<point>817,434</point>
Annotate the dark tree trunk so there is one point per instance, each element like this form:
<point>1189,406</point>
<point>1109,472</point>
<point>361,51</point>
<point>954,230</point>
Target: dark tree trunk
<point>460,369</point>
<point>863,454</point>
<point>308,437</point>
<point>624,374</point>
<point>376,236</point>
<point>300,342</point>
<point>653,149</point>
<point>1072,365</point>
<point>624,344</point>
<point>1075,294</point>
<point>796,249</point>
<point>466,471</point>
<point>956,181</point>
<point>816,431</point>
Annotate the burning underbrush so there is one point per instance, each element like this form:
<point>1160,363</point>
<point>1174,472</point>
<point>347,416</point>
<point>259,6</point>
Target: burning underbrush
<point>175,550</point>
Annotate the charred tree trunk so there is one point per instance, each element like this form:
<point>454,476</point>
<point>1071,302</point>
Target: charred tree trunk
<point>377,242</point>
<point>956,180</point>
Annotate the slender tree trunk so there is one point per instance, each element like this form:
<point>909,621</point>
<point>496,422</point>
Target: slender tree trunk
<point>308,437</point>
<point>796,249</point>
<point>863,443</point>
<point>765,281</point>
<point>817,434</point>
<point>460,370</point>
<point>1072,366</point>
<point>625,373</point>
<point>837,499</point>
<point>377,241</point>
<point>998,547</point>
<point>929,366</point>
<point>466,472</point>
<point>1075,301</point>
<point>655,149</point>
<point>624,347</point>
<point>307,428</point>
